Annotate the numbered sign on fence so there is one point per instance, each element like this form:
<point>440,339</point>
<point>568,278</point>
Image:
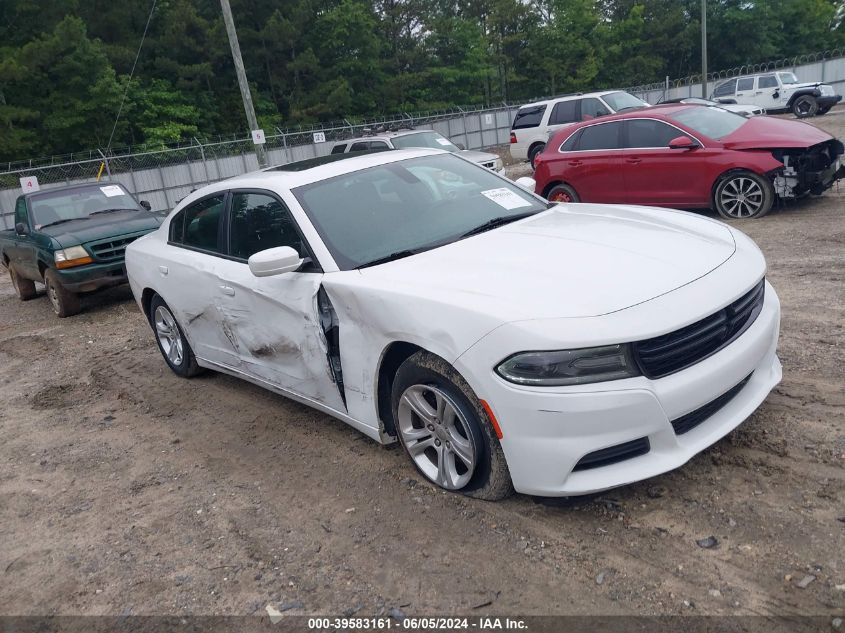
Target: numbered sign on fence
<point>258,137</point>
<point>29,184</point>
<point>319,137</point>
<point>488,119</point>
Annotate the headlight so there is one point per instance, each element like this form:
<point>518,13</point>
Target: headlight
<point>569,366</point>
<point>826,90</point>
<point>73,256</point>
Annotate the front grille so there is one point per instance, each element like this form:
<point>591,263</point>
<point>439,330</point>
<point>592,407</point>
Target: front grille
<point>692,419</point>
<point>666,354</point>
<point>112,249</point>
<point>614,454</point>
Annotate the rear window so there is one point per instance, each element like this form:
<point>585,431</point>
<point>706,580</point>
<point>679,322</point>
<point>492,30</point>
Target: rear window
<point>528,117</point>
<point>338,149</point>
<point>603,136</point>
<point>713,122</point>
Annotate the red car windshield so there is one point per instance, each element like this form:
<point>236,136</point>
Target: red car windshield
<point>714,123</point>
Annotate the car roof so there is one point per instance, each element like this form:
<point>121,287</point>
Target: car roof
<point>83,185</point>
<point>579,95</point>
<point>312,170</point>
<point>382,135</point>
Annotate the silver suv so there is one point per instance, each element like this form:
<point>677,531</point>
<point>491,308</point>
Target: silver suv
<point>403,139</point>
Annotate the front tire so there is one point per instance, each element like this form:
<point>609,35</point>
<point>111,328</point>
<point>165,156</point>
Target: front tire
<point>743,195</point>
<point>823,110</point>
<point>24,287</point>
<point>445,431</point>
<point>805,106</point>
<point>64,302</point>
<point>172,344</point>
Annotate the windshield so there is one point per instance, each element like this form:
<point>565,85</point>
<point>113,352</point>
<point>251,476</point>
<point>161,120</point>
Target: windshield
<point>408,205</point>
<point>715,123</point>
<point>788,78</point>
<point>424,139</point>
<point>49,207</point>
<point>623,101</point>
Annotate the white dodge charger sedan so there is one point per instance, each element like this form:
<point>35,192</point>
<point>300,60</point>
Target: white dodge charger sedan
<point>506,342</point>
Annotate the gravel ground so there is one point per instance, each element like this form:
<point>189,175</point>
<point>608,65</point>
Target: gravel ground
<point>124,489</point>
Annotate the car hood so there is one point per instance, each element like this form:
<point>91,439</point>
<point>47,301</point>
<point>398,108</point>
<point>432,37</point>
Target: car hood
<point>478,157</point>
<point>571,261</point>
<point>101,226</point>
<point>771,132</point>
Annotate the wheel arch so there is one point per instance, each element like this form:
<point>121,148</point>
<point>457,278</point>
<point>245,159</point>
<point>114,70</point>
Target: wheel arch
<point>547,189</point>
<point>392,357</point>
<point>726,174</point>
<point>813,92</point>
<point>146,302</point>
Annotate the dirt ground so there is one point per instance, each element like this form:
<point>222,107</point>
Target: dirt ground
<point>127,490</point>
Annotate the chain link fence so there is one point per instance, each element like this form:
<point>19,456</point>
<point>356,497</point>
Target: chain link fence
<point>166,175</point>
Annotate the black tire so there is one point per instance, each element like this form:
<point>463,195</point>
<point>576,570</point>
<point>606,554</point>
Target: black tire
<point>24,287</point>
<point>805,106</point>
<point>753,195</point>
<point>823,110</point>
<point>182,362</point>
<point>64,302</point>
<point>562,193</point>
<point>534,151</point>
<point>490,479</point>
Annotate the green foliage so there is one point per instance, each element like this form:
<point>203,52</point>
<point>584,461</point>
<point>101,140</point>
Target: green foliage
<point>64,64</point>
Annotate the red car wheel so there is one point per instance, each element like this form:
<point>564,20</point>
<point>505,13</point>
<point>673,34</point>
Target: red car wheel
<point>562,193</point>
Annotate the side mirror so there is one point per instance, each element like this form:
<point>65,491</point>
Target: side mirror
<point>526,183</point>
<point>460,146</point>
<point>21,228</point>
<point>683,142</point>
<point>274,261</point>
<point>146,205</point>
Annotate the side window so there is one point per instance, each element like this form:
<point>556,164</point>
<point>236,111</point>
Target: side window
<point>260,221</point>
<point>592,108</point>
<point>201,224</point>
<point>338,149</point>
<point>650,133</point>
<point>20,211</point>
<point>602,136</point>
<point>378,145</point>
<point>359,146</point>
<point>528,117</point>
<point>570,143</point>
<point>726,89</point>
<point>564,112</point>
<point>746,83</point>
<point>767,81</point>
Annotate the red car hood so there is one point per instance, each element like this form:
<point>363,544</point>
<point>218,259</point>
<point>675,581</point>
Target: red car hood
<point>768,132</point>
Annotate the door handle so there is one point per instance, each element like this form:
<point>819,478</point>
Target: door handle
<point>759,92</point>
<point>575,163</point>
<point>228,290</point>
<point>163,270</point>
<point>634,160</point>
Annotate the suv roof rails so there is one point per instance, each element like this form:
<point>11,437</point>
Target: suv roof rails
<point>383,128</point>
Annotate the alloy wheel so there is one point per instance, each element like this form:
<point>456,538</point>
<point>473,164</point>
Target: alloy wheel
<point>168,335</point>
<point>437,436</point>
<point>53,295</point>
<point>741,197</point>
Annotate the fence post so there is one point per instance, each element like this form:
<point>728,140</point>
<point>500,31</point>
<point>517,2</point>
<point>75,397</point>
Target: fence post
<point>204,164</point>
<point>466,132</point>
<point>106,161</point>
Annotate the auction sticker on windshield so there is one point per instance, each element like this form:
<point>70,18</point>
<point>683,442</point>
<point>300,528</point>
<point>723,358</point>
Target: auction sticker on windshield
<point>111,190</point>
<point>506,198</point>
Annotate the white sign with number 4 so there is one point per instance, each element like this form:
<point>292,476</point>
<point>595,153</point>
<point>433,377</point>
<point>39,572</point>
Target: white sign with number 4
<point>29,184</point>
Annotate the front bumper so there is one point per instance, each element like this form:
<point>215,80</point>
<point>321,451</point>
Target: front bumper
<point>93,277</point>
<point>829,102</point>
<point>547,431</point>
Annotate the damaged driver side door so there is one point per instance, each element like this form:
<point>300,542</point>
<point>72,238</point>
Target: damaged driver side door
<point>273,321</point>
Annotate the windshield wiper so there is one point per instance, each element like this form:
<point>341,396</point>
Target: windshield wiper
<point>389,258</point>
<point>44,226</point>
<point>495,223</point>
<point>110,211</point>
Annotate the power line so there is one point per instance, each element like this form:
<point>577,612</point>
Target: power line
<point>131,74</point>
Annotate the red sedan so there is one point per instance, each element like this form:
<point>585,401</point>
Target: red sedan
<point>688,157</point>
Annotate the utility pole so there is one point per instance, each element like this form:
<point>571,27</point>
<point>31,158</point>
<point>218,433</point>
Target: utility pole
<point>242,82</point>
<point>703,49</point>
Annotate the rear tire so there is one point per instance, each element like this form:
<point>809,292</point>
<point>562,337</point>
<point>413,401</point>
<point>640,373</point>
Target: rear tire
<point>24,287</point>
<point>64,302</point>
<point>534,151</point>
<point>172,344</point>
<point>805,106</point>
<point>445,431</point>
<point>741,195</point>
<point>562,193</point>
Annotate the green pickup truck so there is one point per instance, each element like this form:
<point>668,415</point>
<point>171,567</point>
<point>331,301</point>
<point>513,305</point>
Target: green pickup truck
<point>73,240</point>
